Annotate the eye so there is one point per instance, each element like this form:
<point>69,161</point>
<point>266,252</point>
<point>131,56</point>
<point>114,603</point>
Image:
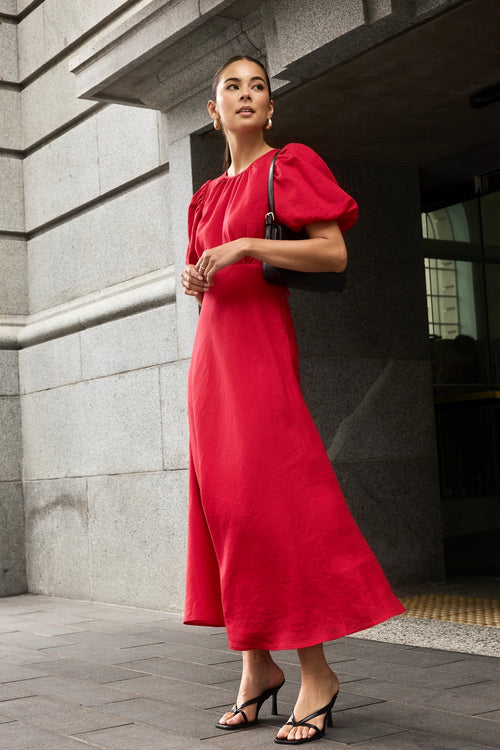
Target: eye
<point>259,86</point>
<point>232,86</point>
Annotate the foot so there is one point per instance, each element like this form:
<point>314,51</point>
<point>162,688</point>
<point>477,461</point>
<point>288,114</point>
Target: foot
<point>312,696</point>
<point>253,683</point>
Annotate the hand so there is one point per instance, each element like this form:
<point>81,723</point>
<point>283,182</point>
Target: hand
<point>193,283</point>
<point>216,258</point>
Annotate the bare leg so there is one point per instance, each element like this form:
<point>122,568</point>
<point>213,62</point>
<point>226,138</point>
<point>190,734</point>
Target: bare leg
<point>319,684</point>
<point>260,673</point>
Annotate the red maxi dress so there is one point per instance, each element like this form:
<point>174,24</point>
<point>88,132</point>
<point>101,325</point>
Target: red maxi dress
<point>273,551</point>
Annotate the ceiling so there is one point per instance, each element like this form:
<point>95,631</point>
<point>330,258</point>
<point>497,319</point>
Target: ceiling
<point>406,101</point>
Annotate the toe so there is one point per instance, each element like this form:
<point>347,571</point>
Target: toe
<point>284,732</point>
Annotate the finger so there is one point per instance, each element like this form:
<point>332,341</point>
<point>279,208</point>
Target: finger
<point>193,273</point>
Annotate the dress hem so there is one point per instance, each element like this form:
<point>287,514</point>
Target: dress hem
<point>285,646</point>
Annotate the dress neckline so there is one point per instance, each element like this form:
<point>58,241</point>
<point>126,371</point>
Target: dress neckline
<point>227,176</point>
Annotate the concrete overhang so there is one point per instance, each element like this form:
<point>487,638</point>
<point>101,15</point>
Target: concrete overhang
<point>381,81</point>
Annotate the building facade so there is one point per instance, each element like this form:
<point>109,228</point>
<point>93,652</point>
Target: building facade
<point>104,136</point>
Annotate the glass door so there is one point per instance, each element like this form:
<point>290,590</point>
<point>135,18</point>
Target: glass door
<point>462,268</point>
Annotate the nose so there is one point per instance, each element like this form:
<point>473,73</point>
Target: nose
<point>245,94</point>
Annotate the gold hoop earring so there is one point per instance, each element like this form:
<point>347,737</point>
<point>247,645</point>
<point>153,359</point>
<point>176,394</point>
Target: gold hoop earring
<point>268,124</point>
<point>217,123</point>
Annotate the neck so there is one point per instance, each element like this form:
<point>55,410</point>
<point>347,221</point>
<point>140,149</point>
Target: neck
<point>245,148</point>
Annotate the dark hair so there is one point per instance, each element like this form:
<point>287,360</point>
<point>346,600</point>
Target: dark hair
<point>215,83</point>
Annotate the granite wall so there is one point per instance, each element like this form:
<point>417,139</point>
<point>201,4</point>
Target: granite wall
<point>88,306</point>
<point>13,308</point>
<point>95,334</point>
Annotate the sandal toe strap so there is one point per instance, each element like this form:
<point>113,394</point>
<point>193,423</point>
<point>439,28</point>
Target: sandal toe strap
<point>306,724</point>
<point>235,711</point>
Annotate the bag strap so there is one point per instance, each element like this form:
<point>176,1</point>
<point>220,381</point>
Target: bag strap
<point>270,217</point>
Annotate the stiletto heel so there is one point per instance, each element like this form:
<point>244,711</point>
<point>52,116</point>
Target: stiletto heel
<point>271,693</point>
<point>305,723</point>
<point>274,705</point>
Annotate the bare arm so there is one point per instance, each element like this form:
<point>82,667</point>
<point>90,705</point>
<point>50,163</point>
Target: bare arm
<point>323,251</point>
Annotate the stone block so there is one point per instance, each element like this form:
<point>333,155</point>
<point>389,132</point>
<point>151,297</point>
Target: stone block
<point>50,364</point>
<point>142,340</point>
<point>57,540</point>
<point>13,277</point>
<point>298,28</point>
<point>8,45</point>
<point>109,425</point>
<point>57,716</point>
<point>12,565</point>
<point>128,144</point>
<point>10,438</point>
<point>64,172</point>
<point>371,410</point>
<point>54,25</point>
<point>124,237</point>
<point>180,175</point>
<point>9,374</point>
<point>8,6</point>
<point>383,312</point>
<point>10,119</point>
<point>57,86</point>
<point>31,41</point>
<point>396,505</point>
<point>138,538</point>
<point>11,189</point>
<point>173,385</point>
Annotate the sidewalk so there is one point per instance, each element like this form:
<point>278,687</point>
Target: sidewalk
<point>80,674</point>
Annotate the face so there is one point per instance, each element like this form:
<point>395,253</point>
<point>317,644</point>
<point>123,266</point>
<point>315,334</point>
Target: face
<point>242,97</point>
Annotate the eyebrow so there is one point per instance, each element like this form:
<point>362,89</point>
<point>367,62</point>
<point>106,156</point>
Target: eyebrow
<point>238,80</point>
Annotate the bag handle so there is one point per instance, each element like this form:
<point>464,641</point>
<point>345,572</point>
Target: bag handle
<point>270,216</point>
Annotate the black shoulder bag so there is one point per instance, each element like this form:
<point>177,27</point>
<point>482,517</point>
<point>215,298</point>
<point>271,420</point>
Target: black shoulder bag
<point>327,281</point>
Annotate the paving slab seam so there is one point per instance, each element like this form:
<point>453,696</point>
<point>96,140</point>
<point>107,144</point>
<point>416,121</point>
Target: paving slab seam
<point>62,734</point>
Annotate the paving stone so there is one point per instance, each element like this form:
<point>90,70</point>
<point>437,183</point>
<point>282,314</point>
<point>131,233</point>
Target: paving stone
<point>393,696</point>
<point>137,736</point>
<point>182,670</point>
<point>446,700</point>
<point>256,738</point>
<point>426,720</point>
<point>39,627</point>
<point>176,691</point>
<point>349,728</point>
<point>12,672</point>
<point>79,692</point>
<point>179,719</point>
<point>84,671</point>
<point>16,690</point>
<point>23,737</point>
<point>184,652</point>
<point>114,640</point>
<point>492,715</point>
<point>95,654</point>
<point>188,636</point>
<point>415,741</point>
<point>476,667</point>
<point>33,640</point>
<point>432,677</point>
<point>57,716</point>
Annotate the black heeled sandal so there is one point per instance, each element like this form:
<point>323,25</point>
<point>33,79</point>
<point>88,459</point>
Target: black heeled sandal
<point>305,723</point>
<point>272,693</point>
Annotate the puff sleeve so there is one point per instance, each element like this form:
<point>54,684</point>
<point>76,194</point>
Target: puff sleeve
<point>195,212</point>
<point>305,191</point>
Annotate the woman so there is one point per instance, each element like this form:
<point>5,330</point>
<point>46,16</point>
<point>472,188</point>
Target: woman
<point>273,552</point>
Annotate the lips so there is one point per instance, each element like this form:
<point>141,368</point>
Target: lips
<point>246,109</point>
